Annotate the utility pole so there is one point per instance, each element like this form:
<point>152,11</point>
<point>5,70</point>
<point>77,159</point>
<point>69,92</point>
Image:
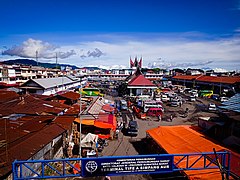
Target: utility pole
<point>80,119</point>
<point>56,60</point>
<point>37,57</point>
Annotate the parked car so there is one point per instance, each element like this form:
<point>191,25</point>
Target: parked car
<point>132,128</point>
<point>224,99</point>
<point>212,107</point>
<point>181,90</point>
<point>192,98</point>
<point>215,97</point>
<point>187,90</point>
<point>176,102</point>
<point>194,91</point>
<point>165,98</point>
<point>194,94</point>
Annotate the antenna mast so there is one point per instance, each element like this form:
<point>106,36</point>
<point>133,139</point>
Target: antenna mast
<point>56,60</point>
<point>37,57</point>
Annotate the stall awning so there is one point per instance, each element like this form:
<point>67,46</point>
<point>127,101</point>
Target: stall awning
<point>88,122</point>
<point>185,139</point>
<point>103,125</point>
<point>108,108</point>
<point>105,121</point>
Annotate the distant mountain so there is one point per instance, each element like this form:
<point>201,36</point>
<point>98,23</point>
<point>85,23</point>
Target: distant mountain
<point>30,62</point>
<point>206,68</point>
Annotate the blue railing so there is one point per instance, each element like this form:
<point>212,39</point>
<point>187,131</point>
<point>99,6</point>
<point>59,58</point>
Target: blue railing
<point>120,165</point>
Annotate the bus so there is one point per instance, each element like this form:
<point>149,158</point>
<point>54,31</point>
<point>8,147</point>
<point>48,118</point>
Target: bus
<point>205,93</point>
<point>91,92</point>
<point>151,104</point>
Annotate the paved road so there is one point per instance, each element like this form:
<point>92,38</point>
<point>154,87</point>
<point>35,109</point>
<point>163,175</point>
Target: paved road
<point>126,145</point>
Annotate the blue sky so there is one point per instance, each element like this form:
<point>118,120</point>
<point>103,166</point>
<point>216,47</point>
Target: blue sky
<point>166,33</point>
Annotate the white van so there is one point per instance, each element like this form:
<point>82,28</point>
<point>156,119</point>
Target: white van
<point>165,98</point>
<point>123,104</point>
<point>192,98</point>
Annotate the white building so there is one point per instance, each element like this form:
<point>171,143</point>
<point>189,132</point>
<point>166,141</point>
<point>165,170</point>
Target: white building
<point>48,86</point>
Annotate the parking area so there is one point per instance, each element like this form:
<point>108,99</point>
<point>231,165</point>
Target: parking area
<point>133,145</point>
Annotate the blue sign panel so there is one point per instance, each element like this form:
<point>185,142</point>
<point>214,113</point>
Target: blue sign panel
<point>126,165</point>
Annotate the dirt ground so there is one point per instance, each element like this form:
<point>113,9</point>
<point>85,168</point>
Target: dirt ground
<point>126,145</point>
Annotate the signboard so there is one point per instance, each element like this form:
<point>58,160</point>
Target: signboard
<point>126,165</point>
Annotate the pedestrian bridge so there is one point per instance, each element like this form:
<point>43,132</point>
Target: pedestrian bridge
<point>121,165</point>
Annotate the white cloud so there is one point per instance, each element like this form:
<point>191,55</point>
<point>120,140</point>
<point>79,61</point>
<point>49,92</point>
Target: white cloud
<point>220,70</point>
<point>32,48</point>
<point>189,50</point>
<point>175,53</point>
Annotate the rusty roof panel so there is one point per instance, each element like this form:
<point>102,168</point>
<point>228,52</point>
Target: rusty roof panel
<point>65,121</point>
<point>30,105</point>
<point>30,146</point>
<point>70,95</point>
<point>6,96</point>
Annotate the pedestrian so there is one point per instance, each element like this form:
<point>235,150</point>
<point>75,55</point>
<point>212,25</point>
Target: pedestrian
<point>121,125</point>
<point>116,133</point>
<point>107,178</point>
<point>159,117</point>
<point>134,115</point>
<point>171,118</point>
<point>118,124</point>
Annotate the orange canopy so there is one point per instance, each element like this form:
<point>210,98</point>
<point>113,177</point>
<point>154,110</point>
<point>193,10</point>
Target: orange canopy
<point>105,121</point>
<point>89,122</point>
<point>184,139</point>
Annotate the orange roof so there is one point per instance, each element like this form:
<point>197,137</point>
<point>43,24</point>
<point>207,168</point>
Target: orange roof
<point>185,77</point>
<point>105,121</point>
<point>223,79</point>
<point>140,80</point>
<point>89,122</point>
<point>213,79</point>
<point>184,139</point>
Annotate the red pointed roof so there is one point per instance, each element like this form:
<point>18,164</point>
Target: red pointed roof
<point>140,80</point>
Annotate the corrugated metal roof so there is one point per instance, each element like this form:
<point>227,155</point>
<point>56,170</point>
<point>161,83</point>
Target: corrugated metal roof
<point>7,95</point>
<point>30,105</point>
<point>30,146</point>
<point>50,82</point>
<point>22,126</point>
<point>74,109</point>
<point>187,139</point>
<point>70,95</point>
<point>233,104</point>
<point>96,106</point>
<point>65,121</point>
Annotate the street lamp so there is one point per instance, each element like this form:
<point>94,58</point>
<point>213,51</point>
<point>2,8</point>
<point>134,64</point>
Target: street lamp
<point>79,115</point>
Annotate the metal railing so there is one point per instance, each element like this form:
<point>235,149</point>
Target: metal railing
<point>120,165</point>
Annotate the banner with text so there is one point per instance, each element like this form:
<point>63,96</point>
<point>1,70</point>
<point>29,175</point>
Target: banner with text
<point>123,165</point>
